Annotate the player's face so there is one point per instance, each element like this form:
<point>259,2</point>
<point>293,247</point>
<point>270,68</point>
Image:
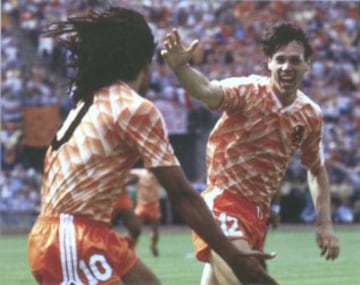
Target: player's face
<point>287,67</point>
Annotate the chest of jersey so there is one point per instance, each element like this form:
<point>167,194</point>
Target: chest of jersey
<point>262,129</point>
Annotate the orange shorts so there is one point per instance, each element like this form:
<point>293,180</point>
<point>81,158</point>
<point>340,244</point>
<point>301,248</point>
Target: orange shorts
<point>238,218</point>
<point>148,212</point>
<point>76,250</point>
<point>123,202</point>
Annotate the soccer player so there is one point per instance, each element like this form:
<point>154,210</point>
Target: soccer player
<point>147,204</point>
<point>108,131</point>
<point>147,208</point>
<point>124,212</point>
<point>265,120</point>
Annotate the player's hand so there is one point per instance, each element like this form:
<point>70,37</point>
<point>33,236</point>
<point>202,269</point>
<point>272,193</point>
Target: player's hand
<point>249,270</point>
<point>175,53</point>
<point>327,241</point>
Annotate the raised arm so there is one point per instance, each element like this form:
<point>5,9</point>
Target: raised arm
<point>319,188</point>
<point>192,208</point>
<point>177,56</point>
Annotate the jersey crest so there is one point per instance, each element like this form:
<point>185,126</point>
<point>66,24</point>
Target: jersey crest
<point>297,135</point>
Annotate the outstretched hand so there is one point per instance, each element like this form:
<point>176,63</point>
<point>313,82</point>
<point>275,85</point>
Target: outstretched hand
<point>175,53</point>
<point>248,269</point>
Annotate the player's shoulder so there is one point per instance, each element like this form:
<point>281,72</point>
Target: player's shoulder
<point>310,103</point>
<point>124,99</point>
<point>124,92</point>
<point>253,79</point>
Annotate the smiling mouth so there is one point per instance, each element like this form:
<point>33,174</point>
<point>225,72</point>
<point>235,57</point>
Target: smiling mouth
<point>287,80</point>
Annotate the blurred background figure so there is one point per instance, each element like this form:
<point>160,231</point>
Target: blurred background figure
<point>124,213</point>
<point>147,203</point>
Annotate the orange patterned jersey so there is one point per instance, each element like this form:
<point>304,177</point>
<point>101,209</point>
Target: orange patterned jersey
<point>85,175</point>
<point>254,140</point>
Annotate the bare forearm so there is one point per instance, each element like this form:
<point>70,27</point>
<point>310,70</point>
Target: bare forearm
<point>196,214</point>
<point>325,236</point>
<point>192,80</point>
<point>192,208</point>
<point>198,86</point>
<point>319,188</point>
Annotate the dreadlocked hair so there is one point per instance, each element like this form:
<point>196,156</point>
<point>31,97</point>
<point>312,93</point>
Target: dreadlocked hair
<point>280,35</point>
<point>104,47</point>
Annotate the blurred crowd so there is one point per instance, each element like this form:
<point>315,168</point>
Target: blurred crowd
<point>229,33</point>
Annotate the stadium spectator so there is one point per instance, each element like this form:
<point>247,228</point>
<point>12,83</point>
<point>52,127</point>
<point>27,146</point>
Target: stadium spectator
<point>110,128</point>
<point>11,148</point>
<point>147,203</point>
<point>19,196</point>
<point>265,120</point>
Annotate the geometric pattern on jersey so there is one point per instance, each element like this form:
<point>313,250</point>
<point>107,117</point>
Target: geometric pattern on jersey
<point>255,138</point>
<point>86,173</point>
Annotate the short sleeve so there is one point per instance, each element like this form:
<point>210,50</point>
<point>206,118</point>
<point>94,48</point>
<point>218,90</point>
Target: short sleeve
<point>312,149</point>
<point>145,132</point>
<point>238,91</point>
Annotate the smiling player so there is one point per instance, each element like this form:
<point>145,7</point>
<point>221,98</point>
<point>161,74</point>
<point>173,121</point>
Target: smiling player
<point>265,121</point>
<point>110,128</point>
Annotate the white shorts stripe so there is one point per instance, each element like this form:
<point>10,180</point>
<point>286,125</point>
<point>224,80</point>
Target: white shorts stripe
<point>62,250</point>
<point>68,251</point>
<point>67,247</point>
<point>210,197</point>
<point>74,251</point>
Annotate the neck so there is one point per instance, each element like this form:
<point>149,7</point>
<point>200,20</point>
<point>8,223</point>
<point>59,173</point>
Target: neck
<point>135,85</point>
<point>286,98</point>
<point>138,83</point>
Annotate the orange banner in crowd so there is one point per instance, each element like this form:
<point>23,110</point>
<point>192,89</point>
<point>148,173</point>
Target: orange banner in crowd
<point>40,125</point>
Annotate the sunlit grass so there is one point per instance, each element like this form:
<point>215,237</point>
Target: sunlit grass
<point>298,260</point>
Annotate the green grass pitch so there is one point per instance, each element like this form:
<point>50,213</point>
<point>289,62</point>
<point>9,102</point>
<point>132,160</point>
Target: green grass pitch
<point>298,260</point>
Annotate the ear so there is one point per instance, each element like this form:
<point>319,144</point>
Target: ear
<point>268,63</point>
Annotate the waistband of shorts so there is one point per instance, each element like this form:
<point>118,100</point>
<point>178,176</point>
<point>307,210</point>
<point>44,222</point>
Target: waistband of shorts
<point>77,219</point>
<point>245,202</point>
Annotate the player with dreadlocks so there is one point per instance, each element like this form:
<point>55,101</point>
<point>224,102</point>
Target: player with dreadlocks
<point>108,131</point>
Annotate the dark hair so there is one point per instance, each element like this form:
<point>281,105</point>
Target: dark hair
<point>104,47</point>
<point>280,35</point>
